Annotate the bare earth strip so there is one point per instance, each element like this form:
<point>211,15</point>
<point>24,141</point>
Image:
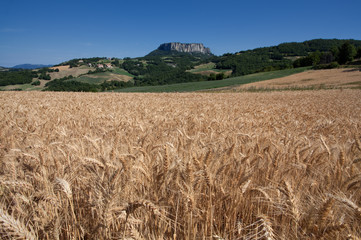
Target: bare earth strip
<point>272,165</point>
<point>345,78</point>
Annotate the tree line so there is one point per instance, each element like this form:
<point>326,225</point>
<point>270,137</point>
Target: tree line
<point>321,53</point>
<point>17,77</point>
<point>331,58</point>
<point>249,62</point>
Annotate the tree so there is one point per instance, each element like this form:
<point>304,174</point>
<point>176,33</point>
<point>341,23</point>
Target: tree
<point>315,57</point>
<point>347,53</point>
<point>220,76</point>
<point>212,77</point>
<point>335,52</point>
<point>311,60</point>
<point>358,54</point>
<point>36,83</point>
<point>326,57</point>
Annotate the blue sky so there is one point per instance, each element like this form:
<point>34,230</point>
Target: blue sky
<point>50,32</point>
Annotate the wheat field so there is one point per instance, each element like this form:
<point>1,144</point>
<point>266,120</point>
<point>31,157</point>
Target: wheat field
<point>279,165</point>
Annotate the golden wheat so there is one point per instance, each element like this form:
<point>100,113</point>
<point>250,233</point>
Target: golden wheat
<point>280,165</point>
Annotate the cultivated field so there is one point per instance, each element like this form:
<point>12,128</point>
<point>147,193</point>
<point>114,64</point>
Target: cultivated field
<point>65,71</point>
<point>279,165</point>
<point>332,78</point>
<point>99,78</point>
<point>209,68</point>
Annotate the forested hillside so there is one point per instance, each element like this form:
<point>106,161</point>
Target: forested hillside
<point>286,55</point>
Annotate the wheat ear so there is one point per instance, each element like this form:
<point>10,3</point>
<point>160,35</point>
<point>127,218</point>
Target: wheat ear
<point>325,211</point>
<point>11,228</point>
<point>266,228</point>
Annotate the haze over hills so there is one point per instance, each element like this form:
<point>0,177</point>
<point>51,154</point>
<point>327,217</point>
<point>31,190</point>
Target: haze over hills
<point>31,66</point>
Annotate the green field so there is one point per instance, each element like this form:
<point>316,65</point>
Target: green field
<point>207,67</point>
<point>197,86</point>
<point>121,71</point>
<point>98,78</point>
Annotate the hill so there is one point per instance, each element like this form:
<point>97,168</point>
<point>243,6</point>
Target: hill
<point>216,84</point>
<point>178,63</point>
<point>31,66</point>
<point>282,56</point>
<point>340,78</point>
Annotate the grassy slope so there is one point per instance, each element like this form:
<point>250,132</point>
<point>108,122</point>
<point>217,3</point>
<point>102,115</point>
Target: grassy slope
<point>196,86</point>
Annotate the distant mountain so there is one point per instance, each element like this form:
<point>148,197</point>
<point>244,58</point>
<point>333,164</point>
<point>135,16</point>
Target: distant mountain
<point>175,47</point>
<point>31,66</point>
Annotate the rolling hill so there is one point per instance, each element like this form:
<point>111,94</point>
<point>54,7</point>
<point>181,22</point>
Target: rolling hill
<point>176,63</point>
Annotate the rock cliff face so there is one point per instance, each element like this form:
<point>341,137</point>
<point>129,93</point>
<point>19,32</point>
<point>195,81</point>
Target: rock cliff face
<point>185,47</point>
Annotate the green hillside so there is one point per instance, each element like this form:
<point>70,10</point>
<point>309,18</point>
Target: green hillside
<point>171,67</point>
<point>283,56</point>
<point>204,85</point>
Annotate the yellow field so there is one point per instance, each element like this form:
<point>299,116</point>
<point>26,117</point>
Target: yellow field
<point>330,78</point>
<point>65,71</point>
<point>280,165</point>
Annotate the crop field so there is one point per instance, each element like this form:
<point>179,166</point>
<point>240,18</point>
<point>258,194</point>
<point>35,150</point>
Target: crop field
<point>99,78</point>
<point>222,84</point>
<point>331,78</point>
<point>272,165</point>
<point>208,68</point>
<point>121,72</point>
<point>66,71</point>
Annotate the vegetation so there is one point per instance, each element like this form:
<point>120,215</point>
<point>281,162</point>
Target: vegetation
<point>112,85</point>
<point>159,70</point>
<point>71,86</point>
<point>16,77</point>
<point>165,68</point>
<point>218,76</point>
<point>253,61</point>
<point>36,83</point>
<point>180,166</point>
<point>204,85</point>
<point>347,52</point>
<point>309,53</point>
<point>79,61</point>
<point>327,66</point>
<point>343,54</point>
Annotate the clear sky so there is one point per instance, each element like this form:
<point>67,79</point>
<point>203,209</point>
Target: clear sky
<point>50,32</point>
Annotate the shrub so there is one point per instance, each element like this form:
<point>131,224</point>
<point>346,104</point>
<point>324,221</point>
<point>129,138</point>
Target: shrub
<point>36,83</point>
<point>326,66</point>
